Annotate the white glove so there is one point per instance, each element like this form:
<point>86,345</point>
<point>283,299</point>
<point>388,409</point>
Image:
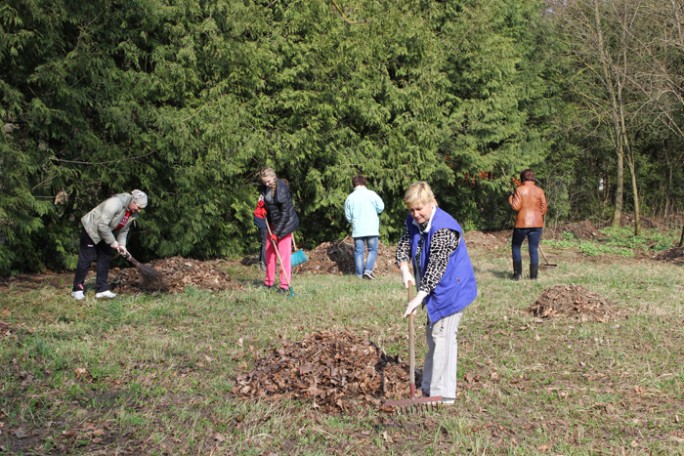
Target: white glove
<point>415,303</point>
<point>406,276</point>
<point>121,249</point>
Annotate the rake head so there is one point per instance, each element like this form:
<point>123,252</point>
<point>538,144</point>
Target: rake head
<point>415,405</point>
<point>151,276</point>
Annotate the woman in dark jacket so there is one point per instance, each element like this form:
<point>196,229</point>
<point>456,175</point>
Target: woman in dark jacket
<point>283,221</point>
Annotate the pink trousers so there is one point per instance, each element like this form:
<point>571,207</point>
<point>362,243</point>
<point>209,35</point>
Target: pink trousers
<point>285,250</point>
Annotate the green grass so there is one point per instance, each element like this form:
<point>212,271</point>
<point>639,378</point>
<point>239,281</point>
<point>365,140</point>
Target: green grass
<point>153,374</point>
<point>618,241</point>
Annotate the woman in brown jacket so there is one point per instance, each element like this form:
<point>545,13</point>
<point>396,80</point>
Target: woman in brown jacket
<point>530,203</point>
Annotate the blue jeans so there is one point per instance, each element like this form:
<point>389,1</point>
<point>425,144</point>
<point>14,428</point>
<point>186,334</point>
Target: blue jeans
<point>359,249</point>
<point>533,236</point>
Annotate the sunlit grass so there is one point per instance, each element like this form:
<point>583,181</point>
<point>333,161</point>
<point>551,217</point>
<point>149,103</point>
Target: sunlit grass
<point>154,374</point>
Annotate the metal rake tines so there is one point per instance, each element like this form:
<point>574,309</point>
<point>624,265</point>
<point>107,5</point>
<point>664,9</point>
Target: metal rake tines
<point>415,405</point>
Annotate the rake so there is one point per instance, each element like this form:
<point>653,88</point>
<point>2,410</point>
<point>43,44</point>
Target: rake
<point>152,277</point>
<point>413,403</point>
<point>546,260</point>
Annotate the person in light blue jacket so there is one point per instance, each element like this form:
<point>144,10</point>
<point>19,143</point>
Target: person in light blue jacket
<point>361,208</point>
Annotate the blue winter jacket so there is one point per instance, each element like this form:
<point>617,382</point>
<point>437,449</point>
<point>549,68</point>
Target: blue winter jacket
<point>457,288</point>
<point>361,208</point>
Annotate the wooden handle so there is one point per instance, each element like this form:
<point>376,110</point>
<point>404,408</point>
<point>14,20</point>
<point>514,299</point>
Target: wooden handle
<point>275,247</point>
<point>412,347</point>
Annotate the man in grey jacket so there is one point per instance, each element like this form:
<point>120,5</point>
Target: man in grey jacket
<point>105,228</point>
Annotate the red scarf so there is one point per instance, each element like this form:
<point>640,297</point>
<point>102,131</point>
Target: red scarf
<point>123,221</point>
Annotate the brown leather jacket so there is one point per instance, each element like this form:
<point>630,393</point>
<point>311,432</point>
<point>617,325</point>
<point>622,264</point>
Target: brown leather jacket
<point>530,202</point>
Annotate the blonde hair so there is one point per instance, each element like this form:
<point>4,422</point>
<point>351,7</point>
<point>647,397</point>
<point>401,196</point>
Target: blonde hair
<point>419,193</point>
<point>269,172</point>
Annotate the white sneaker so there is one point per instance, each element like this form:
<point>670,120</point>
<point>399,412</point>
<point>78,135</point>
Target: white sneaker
<point>105,294</point>
<point>78,295</point>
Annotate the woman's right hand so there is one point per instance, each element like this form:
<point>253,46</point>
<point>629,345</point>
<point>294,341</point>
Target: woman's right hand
<point>406,276</point>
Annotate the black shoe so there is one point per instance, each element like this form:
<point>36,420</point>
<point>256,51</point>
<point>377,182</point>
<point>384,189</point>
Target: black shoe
<point>268,287</point>
<point>517,270</point>
<point>283,291</point>
<point>534,271</point>
<point>369,275</point>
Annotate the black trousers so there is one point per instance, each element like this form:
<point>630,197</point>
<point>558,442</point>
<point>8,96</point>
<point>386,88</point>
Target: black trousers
<point>87,252</point>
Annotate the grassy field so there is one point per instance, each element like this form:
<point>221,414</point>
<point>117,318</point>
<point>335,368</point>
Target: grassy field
<point>146,374</point>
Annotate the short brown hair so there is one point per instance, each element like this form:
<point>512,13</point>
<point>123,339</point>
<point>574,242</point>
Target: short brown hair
<point>527,175</point>
<point>359,180</point>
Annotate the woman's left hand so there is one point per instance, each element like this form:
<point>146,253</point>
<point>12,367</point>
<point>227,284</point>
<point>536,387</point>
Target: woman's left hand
<point>415,303</point>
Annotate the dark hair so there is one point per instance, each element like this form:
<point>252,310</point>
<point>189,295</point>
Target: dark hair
<point>358,180</point>
<point>527,175</point>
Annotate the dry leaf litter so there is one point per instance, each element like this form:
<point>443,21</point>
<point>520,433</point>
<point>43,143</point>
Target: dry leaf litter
<point>335,371</point>
<point>571,301</point>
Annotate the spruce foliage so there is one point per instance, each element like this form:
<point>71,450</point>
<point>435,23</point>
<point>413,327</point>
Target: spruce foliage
<point>188,99</point>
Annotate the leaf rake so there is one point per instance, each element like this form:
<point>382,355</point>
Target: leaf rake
<point>152,277</point>
<point>413,404</point>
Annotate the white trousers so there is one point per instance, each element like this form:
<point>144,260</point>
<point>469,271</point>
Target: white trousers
<point>441,360</point>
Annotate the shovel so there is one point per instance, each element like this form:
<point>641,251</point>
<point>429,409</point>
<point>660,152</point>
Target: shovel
<point>413,403</point>
<point>546,260</point>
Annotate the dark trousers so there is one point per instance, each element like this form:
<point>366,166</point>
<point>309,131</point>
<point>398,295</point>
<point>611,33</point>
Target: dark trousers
<point>533,236</point>
<point>263,233</point>
<point>88,251</point>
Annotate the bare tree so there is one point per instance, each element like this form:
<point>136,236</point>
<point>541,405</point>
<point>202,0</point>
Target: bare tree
<point>600,35</point>
<point>661,78</point>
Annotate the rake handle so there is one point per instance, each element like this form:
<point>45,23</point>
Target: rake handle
<point>412,346</point>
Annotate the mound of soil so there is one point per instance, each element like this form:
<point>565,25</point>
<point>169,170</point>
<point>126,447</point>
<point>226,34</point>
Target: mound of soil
<point>489,240</point>
<point>177,273</point>
<point>338,258</point>
<point>674,255</point>
<point>336,371</point>
<point>571,301</point>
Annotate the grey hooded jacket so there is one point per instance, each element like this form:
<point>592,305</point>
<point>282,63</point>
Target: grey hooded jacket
<point>101,222</point>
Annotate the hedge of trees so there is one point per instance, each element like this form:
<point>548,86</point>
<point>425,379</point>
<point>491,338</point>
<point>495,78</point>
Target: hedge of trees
<point>188,99</point>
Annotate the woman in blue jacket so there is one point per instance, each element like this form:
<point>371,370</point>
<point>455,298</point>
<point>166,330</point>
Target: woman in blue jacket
<point>432,241</point>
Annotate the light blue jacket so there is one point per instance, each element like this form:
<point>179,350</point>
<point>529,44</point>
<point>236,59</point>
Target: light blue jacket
<point>361,208</point>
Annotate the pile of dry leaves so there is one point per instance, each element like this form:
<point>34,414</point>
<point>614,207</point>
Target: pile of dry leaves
<point>177,272</point>
<point>336,371</point>
<point>571,301</point>
<point>338,258</point>
<point>5,329</point>
<point>674,255</point>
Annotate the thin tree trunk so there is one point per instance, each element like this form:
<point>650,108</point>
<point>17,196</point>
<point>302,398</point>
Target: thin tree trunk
<point>635,192</point>
<point>619,150</point>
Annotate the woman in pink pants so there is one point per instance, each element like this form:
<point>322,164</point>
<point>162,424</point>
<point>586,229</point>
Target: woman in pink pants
<point>283,221</point>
